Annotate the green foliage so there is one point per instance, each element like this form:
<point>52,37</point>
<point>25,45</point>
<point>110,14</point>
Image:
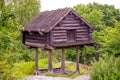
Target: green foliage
<point>107,69</point>
<point>112,44</point>
<point>23,69</point>
<point>106,14</point>
<point>107,20</point>
<point>70,54</point>
<point>13,15</point>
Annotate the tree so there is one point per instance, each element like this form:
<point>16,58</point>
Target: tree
<point>104,18</point>
<point>13,16</point>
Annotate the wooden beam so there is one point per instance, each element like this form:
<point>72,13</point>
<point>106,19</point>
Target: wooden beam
<point>50,69</point>
<point>77,60</point>
<point>36,61</point>
<point>63,61</point>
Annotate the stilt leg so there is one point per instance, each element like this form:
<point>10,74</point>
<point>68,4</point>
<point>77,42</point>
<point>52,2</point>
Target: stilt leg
<point>36,61</point>
<point>77,61</point>
<point>50,69</point>
<point>63,61</point>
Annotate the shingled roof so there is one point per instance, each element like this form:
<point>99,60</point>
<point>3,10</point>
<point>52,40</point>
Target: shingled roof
<point>46,20</point>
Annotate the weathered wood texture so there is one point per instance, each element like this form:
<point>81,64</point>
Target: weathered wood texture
<point>36,61</point>
<point>57,28</point>
<point>63,61</point>
<point>50,68</point>
<point>77,60</point>
<point>80,32</point>
<point>35,39</point>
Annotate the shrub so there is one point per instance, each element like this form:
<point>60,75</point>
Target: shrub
<point>108,69</point>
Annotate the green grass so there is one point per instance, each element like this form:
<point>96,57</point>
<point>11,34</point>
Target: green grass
<point>69,67</point>
<point>24,69</point>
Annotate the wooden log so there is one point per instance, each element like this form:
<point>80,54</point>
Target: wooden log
<point>82,30</point>
<point>50,69</point>
<point>63,61</point>
<point>82,33</point>
<point>69,18</point>
<point>59,34</point>
<point>59,37</point>
<point>70,21</point>
<point>84,39</point>
<point>82,36</point>
<point>41,45</point>
<point>77,61</point>
<point>35,37</point>
<point>36,41</point>
<point>59,40</point>
<point>59,31</point>
<point>36,61</point>
<point>68,28</point>
<point>70,25</point>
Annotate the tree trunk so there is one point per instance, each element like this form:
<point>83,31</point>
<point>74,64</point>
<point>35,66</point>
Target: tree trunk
<point>50,69</point>
<point>63,61</point>
<point>36,61</point>
<point>77,60</point>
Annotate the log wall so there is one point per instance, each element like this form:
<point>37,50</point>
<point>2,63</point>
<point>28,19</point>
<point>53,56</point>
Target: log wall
<point>35,37</point>
<point>71,22</point>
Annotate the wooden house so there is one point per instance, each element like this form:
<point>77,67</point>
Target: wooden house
<point>57,29</point>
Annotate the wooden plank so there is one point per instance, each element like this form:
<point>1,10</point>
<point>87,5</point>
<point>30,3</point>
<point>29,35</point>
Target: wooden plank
<point>70,21</point>
<point>59,40</point>
<point>35,34</point>
<point>59,34</point>
<point>70,25</point>
<point>35,38</point>
<point>58,31</point>
<point>66,28</point>
<point>80,36</point>
<point>82,39</point>
<point>36,41</point>
<point>82,30</point>
<point>69,18</point>
<point>81,33</point>
<point>34,44</point>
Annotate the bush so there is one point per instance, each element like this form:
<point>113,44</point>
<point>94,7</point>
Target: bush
<point>23,69</point>
<point>108,69</point>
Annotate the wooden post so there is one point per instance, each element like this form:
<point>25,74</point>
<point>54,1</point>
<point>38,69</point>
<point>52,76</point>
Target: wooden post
<point>63,61</point>
<point>36,61</point>
<point>77,60</point>
<point>50,69</point>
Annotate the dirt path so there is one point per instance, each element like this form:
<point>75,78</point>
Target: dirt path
<point>84,77</point>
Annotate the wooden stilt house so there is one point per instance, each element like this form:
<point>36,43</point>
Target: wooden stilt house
<point>57,29</point>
